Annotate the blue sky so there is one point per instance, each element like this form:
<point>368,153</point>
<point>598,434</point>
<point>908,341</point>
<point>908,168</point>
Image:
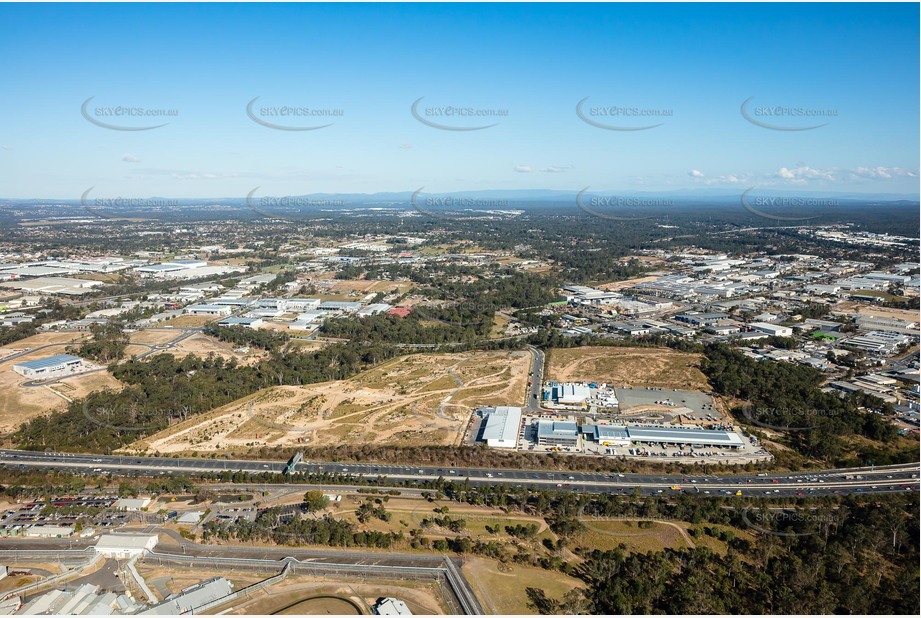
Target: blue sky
<point>854,65</point>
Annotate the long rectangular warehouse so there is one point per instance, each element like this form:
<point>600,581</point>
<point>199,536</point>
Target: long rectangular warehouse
<point>49,366</point>
<point>622,436</point>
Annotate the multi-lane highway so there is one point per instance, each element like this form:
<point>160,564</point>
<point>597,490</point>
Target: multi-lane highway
<point>877,479</point>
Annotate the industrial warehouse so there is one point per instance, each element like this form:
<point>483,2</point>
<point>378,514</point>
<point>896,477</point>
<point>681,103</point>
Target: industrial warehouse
<point>59,364</point>
<point>509,428</point>
<point>557,433</point>
<point>622,435</point>
<point>501,427</point>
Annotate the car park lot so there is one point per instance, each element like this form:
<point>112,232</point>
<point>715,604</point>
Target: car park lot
<point>751,450</point>
<point>694,405</point>
<point>235,515</point>
<point>92,511</point>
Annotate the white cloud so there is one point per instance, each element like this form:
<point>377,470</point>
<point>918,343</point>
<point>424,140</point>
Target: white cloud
<point>405,146</point>
<point>201,176</point>
<point>130,158</point>
<point>184,174</point>
<point>556,169</point>
<point>524,169</point>
<point>722,179</point>
<point>6,147</point>
<point>881,172</point>
<point>803,175</point>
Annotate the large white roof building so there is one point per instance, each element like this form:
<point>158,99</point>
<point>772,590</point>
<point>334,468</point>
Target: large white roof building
<point>50,366</point>
<point>125,545</point>
<point>392,607</point>
<point>502,425</point>
<point>572,394</point>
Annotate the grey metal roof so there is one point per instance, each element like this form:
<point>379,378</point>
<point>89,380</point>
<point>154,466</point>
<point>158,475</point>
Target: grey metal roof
<point>684,436</point>
<point>610,431</point>
<point>51,361</point>
<point>192,597</point>
<point>502,424</point>
<point>567,429</point>
<point>675,435</point>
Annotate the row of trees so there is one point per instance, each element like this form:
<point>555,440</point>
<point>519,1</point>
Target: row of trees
<point>325,530</point>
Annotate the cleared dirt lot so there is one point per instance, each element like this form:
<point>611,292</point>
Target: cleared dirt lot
<point>190,321</point>
<point>172,579</point>
<point>627,367</point>
<point>412,400</point>
<point>854,308</point>
<point>629,283</point>
<point>80,386</point>
<point>19,404</point>
<point>154,336</point>
<point>203,345</point>
<point>353,285</point>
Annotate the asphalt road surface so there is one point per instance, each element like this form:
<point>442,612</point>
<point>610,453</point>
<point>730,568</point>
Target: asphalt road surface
<point>871,479</point>
<point>532,405</point>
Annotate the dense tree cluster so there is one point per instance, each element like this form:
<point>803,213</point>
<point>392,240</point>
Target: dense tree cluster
<point>315,500</point>
<point>325,530</point>
<point>866,563</point>
<point>107,343</point>
<point>10,334</point>
<point>242,336</point>
<point>787,397</point>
